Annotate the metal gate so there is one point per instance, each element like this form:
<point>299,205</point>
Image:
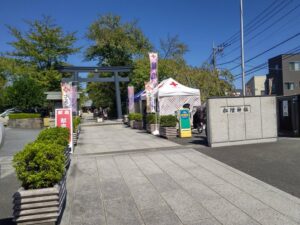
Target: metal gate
<point>288,111</point>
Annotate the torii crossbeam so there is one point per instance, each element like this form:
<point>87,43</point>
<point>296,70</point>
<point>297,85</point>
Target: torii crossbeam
<point>96,71</point>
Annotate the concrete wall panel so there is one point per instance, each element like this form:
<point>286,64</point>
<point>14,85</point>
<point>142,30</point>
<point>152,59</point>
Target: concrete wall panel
<point>218,121</point>
<point>253,119</point>
<point>269,117</point>
<point>236,121</point>
<point>232,127</point>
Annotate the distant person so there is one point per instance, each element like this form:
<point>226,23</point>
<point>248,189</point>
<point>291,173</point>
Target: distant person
<point>105,113</point>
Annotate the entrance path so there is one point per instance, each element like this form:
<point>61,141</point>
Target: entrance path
<point>180,186</point>
<point>116,138</point>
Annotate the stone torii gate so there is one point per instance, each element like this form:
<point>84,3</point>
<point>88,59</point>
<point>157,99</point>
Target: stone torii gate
<point>96,71</point>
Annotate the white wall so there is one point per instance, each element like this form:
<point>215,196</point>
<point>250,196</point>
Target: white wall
<point>259,124</point>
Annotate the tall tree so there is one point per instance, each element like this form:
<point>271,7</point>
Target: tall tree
<point>25,94</point>
<point>44,45</point>
<point>39,50</point>
<point>172,48</point>
<point>114,43</point>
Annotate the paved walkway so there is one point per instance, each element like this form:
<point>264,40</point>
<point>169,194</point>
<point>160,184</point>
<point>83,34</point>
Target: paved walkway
<point>169,187</point>
<point>117,138</point>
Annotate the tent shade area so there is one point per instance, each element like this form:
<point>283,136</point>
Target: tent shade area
<point>171,96</point>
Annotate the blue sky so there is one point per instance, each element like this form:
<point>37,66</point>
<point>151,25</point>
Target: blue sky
<point>198,23</point>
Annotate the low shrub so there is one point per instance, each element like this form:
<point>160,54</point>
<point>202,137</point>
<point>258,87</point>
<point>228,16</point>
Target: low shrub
<point>168,121</point>
<point>138,117</point>
<point>135,116</point>
<point>56,135</point>
<point>40,165</point>
<point>76,122</point>
<point>130,116</point>
<point>150,118</point>
<point>24,115</point>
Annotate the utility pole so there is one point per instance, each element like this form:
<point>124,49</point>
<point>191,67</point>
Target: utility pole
<point>242,47</point>
<point>216,50</point>
<point>214,56</point>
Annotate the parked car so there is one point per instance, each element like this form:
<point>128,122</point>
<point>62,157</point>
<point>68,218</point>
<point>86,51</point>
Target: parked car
<point>4,116</point>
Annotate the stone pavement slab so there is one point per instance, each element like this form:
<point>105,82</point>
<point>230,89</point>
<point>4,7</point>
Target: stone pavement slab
<point>169,187</point>
<point>150,193</point>
<point>117,138</point>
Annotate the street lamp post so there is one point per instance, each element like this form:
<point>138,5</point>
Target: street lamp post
<point>242,47</point>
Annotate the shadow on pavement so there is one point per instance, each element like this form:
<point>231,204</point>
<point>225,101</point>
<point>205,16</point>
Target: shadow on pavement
<point>6,221</point>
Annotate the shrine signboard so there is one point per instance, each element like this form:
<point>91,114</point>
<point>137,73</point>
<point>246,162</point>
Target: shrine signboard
<point>63,118</point>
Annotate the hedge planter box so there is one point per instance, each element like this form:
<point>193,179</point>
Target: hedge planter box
<point>75,138</point>
<point>67,154</point>
<point>131,123</point>
<point>168,132</point>
<point>138,125</point>
<point>31,123</point>
<point>151,127</point>
<point>39,206</point>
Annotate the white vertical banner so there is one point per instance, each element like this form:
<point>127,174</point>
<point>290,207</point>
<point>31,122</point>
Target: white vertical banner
<point>131,99</point>
<point>148,89</point>
<point>74,99</point>
<point>153,57</point>
<point>66,91</point>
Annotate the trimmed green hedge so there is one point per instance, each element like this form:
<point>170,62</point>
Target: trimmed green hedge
<point>135,116</point>
<point>57,135</point>
<point>150,118</point>
<point>40,165</point>
<point>138,117</point>
<point>76,122</point>
<point>131,116</point>
<point>168,121</point>
<point>24,115</point>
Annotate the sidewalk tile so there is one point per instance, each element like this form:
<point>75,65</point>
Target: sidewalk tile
<point>122,212</point>
<point>160,216</point>
<point>228,214</point>
<point>186,208</point>
<point>113,189</point>
<point>146,196</point>
<point>163,182</point>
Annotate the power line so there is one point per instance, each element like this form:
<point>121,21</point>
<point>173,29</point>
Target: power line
<point>273,47</point>
<point>264,30</point>
<point>259,67</point>
<point>253,25</point>
<point>264,65</point>
<point>270,7</point>
<point>263,21</point>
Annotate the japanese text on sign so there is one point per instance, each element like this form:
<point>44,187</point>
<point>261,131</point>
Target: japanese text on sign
<point>235,109</point>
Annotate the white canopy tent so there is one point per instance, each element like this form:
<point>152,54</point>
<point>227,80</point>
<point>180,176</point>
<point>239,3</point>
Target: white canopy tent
<point>172,95</point>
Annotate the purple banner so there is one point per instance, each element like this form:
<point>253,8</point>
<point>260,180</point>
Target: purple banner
<point>148,89</point>
<point>153,68</point>
<point>74,99</point>
<point>131,99</point>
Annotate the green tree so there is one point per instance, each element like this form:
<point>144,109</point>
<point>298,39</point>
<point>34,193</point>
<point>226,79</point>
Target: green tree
<point>40,50</point>
<point>196,77</point>
<point>171,62</point>
<point>166,68</point>
<point>172,48</point>
<point>44,45</point>
<point>114,43</point>
<point>25,94</point>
